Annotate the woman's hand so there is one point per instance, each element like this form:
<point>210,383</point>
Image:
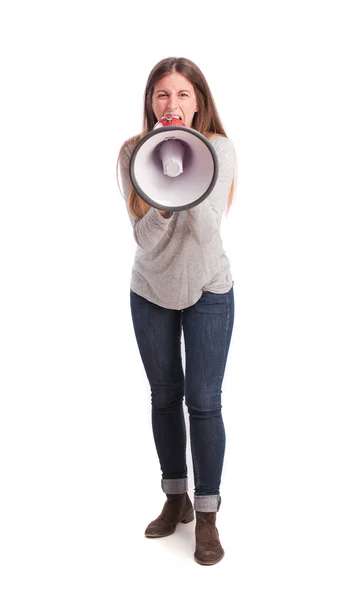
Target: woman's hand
<point>165,213</point>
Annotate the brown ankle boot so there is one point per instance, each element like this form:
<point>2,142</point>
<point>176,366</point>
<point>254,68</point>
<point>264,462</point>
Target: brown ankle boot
<point>178,508</point>
<point>208,548</point>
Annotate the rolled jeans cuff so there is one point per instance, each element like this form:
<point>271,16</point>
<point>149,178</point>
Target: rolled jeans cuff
<point>207,503</point>
<point>174,486</point>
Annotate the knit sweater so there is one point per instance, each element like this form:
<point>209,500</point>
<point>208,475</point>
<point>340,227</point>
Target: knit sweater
<point>180,257</point>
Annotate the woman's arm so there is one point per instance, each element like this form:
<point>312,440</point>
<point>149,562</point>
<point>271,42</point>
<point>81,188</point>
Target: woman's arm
<point>205,218</point>
<point>150,229</point>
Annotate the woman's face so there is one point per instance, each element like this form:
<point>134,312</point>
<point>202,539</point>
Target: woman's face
<point>174,93</point>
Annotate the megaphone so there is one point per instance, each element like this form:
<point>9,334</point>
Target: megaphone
<point>173,167</point>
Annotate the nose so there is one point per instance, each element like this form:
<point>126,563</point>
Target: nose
<point>172,102</point>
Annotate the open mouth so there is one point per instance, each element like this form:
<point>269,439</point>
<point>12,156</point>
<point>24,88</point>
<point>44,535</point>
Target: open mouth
<point>170,116</point>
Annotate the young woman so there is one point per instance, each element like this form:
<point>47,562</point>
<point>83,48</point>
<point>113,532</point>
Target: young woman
<point>181,279</point>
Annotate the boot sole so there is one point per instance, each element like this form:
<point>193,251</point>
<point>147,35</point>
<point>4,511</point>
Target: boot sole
<point>209,562</point>
<point>187,519</point>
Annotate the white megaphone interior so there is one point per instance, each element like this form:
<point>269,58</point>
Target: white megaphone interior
<point>189,186</point>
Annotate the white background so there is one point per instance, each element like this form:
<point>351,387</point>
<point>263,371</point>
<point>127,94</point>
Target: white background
<point>79,473</point>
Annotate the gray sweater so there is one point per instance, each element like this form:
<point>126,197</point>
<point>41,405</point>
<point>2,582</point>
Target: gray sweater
<point>180,257</point>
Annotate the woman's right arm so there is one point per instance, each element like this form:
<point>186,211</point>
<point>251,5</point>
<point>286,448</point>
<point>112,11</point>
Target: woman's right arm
<point>148,230</point>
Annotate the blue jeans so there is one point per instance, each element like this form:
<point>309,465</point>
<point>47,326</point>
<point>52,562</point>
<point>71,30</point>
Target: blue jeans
<point>207,328</point>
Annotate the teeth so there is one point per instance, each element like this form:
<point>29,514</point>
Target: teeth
<point>173,116</point>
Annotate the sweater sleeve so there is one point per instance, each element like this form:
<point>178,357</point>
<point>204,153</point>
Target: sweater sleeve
<point>205,218</point>
<point>148,230</point>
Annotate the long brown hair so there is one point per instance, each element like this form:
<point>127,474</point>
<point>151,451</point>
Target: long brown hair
<point>206,120</point>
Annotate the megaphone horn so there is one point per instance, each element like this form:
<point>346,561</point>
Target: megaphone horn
<point>173,167</point>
